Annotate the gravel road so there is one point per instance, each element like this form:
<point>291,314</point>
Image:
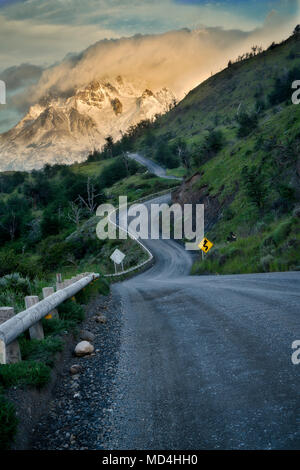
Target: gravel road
<point>188,362</point>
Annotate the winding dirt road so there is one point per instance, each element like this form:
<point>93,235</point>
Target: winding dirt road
<point>205,362</point>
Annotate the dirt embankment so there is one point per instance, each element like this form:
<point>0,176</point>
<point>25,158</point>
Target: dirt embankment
<point>192,192</point>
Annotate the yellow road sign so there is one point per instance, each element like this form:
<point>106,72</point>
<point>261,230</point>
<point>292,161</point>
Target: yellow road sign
<point>205,245</point>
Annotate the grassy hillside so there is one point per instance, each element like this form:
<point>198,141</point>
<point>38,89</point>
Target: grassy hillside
<point>243,86</point>
<point>48,221</point>
<point>239,134</point>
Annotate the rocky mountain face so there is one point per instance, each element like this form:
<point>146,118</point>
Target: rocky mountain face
<point>65,130</point>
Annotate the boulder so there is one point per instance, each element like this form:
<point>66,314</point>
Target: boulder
<point>87,336</point>
<point>75,369</point>
<point>84,348</point>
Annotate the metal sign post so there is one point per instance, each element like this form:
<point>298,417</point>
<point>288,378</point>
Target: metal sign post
<point>118,257</point>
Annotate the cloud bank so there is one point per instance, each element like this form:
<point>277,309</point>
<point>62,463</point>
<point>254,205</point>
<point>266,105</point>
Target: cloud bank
<point>44,31</point>
<point>179,60</point>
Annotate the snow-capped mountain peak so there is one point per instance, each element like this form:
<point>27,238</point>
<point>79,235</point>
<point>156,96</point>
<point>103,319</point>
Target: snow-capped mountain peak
<point>65,130</point>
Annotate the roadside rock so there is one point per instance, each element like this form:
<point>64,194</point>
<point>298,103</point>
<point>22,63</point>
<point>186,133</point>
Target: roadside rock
<point>75,369</point>
<point>87,336</point>
<point>84,348</point>
<point>80,401</point>
<point>101,319</point>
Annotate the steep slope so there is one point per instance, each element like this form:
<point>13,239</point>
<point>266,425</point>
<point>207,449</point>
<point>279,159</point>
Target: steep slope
<point>238,136</point>
<point>64,130</point>
<point>238,88</point>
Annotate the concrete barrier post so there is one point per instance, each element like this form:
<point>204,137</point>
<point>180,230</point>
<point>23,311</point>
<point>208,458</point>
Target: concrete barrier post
<point>2,352</point>
<point>46,292</point>
<point>9,354</point>
<point>59,283</point>
<point>36,331</point>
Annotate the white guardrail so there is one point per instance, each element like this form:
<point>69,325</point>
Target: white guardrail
<point>30,318</point>
<point>12,326</point>
<point>148,252</point>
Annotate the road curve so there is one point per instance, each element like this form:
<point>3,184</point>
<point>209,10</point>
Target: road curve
<point>152,166</point>
<point>205,362</point>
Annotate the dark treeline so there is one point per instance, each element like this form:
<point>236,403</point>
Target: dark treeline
<point>38,210</point>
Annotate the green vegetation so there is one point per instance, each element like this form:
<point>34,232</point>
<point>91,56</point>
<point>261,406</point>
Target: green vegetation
<point>38,356</point>
<point>48,225</point>
<point>273,248</point>
<point>140,186</point>
<point>238,133</point>
<point>179,172</point>
<point>31,373</point>
<point>48,221</point>
<point>8,423</point>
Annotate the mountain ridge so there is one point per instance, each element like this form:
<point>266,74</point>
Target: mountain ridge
<point>65,129</point>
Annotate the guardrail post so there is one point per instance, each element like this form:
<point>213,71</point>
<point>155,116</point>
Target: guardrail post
<point>9,354</point>
<point>36,331</point>
<point>2,352</point>
<point>30,319</point>
<point>46,292</point>
<point>59,283</point>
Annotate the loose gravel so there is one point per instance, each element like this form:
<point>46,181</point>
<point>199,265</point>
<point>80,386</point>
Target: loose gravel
<point>79,410</point>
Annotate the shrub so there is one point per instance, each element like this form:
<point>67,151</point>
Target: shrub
<point>165,156</point>
<point>281,232</point>
<point>287,196</point>
<point>253,181</point>
<point>8,423</point>
<point>117,170</point>
<point>16,283</point>
<point>51,224</point>
<point>214,141</point>
<point>44,351</point>
<point>228,214</point>
<point>8,262</point>
<point>55,256</point>
<point>247,123</point>
<point>71,311</point>
<point>29,373</point>
<point>30,267</point>
<point>266,262</point>
<point>10,298</point>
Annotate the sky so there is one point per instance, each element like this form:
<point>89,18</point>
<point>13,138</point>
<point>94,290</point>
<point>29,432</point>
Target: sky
<point>44,31</point>
<point>175,43</point>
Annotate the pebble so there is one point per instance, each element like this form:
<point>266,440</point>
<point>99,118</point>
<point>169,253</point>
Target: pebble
<point>83,403</point>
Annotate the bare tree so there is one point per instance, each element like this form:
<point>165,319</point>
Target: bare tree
<point>125,159</point>
<point>183,154</point>
<point>11,226</point>
<point>91,200</point>
<point>75,214</point>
